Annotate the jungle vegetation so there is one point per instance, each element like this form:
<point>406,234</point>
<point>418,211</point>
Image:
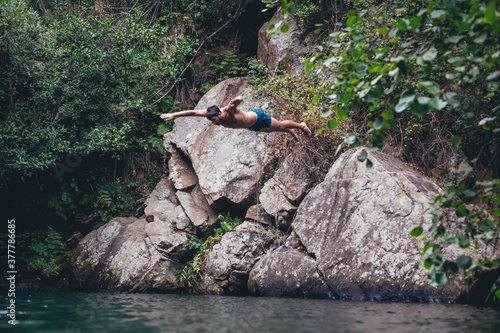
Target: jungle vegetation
<point>82,84</point>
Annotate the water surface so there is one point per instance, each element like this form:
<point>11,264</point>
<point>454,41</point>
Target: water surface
<point>102,312</point>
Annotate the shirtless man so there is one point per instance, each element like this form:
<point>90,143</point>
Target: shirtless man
<point>233,117</point>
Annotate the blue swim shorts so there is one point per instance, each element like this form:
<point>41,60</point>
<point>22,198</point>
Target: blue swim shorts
<point>263,120</point>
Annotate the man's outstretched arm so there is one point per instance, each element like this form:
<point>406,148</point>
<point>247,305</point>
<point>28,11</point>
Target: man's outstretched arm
<point>235,101</point>
<point>186,113</point>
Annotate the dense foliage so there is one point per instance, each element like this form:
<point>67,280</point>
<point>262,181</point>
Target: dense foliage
<point>80,84</point>
<point>406,67</point>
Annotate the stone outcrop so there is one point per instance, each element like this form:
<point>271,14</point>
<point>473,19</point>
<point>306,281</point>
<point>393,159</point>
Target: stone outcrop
<point>347,238</point>
<point>228,163</point>
<point>281,48</point>
<point>229,262</point>
<point>287,272</point>
<point>120,256</point>
<point>355,227</point>
<point>285,189</point>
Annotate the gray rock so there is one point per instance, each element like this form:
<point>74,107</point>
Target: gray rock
<point>196,207</point>
<point>258,214</point>
<point>275,203</point>
<point>294,178</point>
<point>181,172</point>
<point>229,262</point>
<point>119,256</point>
<point>357,223</point>
<point>277,49</point>
<point>162,203</point>
<point>228,162</point>
<point>287,272</point>
<point>167,240</point>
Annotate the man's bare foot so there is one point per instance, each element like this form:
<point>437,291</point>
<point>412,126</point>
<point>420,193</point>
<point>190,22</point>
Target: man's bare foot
<point>306,130</point>
<point>292,132</point>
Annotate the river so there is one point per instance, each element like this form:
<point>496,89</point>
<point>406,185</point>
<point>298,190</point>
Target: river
<point>103,312</point>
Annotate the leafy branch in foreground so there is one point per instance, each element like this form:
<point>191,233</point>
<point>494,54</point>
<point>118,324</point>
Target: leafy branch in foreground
<point>474,224</point>
<point>426,61</point>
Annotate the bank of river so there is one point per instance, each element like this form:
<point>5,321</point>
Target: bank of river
<point>102,312</point>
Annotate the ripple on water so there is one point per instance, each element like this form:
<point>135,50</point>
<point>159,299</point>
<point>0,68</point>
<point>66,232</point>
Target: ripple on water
<point>102,312</point>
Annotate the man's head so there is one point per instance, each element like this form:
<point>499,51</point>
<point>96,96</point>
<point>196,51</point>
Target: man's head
<point>213,113</point>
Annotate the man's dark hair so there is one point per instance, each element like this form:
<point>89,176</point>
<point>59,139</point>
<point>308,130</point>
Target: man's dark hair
<point>212,111</point>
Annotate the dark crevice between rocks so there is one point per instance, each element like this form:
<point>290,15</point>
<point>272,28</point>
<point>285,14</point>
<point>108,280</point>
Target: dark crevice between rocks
<point>249,24</point>
<point>319,269</point>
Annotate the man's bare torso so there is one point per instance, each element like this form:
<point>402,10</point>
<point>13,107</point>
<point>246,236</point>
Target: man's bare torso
<point>234,117</point>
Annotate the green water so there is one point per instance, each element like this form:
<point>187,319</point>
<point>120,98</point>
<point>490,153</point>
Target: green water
<point>78,312</point>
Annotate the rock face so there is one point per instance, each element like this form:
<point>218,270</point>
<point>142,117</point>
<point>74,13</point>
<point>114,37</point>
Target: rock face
<point>274,51</point>
<point>120,256</point>
<point>228,163</point>
<point>355,227</point>
<point>288,272</point>
<point>228,263</point>
<point>212,169</point>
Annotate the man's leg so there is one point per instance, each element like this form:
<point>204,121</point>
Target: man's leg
<point>287,126</point>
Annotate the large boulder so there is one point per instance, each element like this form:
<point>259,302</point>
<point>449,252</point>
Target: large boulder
<point>228,163</point>
<point>120,256</point>
<point>285,189</point>
<point>281,47</point>
<point>229,262</point>
<point>287,272</point>
<point>355,226</point>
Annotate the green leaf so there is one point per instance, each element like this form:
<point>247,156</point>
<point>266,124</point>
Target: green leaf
<point>284,28</point>
<point>309,66</point>
<point>350,140</point>
<point>453,39</point>
<point>441,278</point>
<point>369,163</point>
<point>419,109</point>
<point>401,106</point>
<point>455,141</point>
<point>362,155</point>
<point>342,114</point>
<point>403,24</point>
<point>416,232</point>
<point>430,55</point>
<point>332,124</point>
<point>480,37</point>
<point>378,123</point>
<point>316,99</point>
<point>463,241</point>
<point>361,69</point>
<point>464,262</point>
<point>348,97</point>
<point>461,211</point>
<point>489,14</point>
<point>452,98</point>
<point>437,13</point>
<point>383,31</point>
<point>351,20</point>
<point>415,22</point>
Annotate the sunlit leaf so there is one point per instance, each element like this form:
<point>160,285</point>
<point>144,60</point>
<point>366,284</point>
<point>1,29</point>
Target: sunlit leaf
<point>332,124</point>
<point>416,231</point>
<point>284,28</point>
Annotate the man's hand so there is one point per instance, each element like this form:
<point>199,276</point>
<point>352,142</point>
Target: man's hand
<point>167,116</point>
<point>236,101</point>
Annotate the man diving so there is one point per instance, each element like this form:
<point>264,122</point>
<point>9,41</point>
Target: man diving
<point>232,116</point>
